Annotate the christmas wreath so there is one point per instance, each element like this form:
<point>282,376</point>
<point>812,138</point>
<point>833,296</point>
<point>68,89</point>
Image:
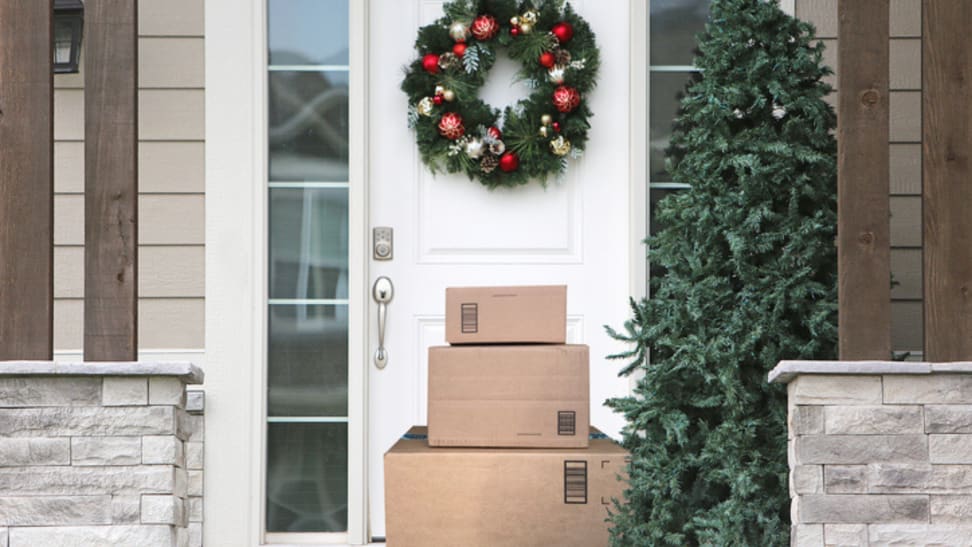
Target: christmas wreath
<point>457,132</point>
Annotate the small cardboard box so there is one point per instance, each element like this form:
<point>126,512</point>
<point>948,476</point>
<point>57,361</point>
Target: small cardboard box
<point>506,315</point>
<point>535,396</point>
<point>493,497</point>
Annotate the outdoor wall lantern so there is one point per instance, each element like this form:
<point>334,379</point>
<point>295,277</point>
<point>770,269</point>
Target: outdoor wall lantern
<point>68,24</point>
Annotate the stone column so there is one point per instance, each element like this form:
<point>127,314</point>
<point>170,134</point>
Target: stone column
<point>95,454</point>
<point>880,453</point>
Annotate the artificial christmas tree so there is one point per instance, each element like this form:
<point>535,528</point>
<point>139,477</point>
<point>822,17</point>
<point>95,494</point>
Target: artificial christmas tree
<point>748,278</point>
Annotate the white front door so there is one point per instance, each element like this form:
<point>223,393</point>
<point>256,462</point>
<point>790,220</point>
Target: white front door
<point>449,231</point>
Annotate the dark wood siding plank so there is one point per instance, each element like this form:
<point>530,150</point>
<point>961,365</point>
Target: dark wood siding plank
<point>111,186</point>
<point>947,210</point>
<point>863,156</point>
<point>26,180</point>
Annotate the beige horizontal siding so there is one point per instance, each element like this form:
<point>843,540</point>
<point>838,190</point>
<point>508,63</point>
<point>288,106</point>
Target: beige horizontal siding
<point>170,17</point>
<point>905,63</point>
<point>168,167</point>
<point>164,323</point>
<point>907,330</point>
<point>173,272</point>
<point>906,269</point>
<point>171,63</point>
<point>69,167</point>
<point>905,116</point>
<point>171,184</point>
<point>905,169</point>
<point>905,18</point>
<point>905,221</point>
<point>821,13</point>
<point>171,114</point>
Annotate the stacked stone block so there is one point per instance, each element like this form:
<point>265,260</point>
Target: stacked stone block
<point>880,453</point>
<point>99,454</point>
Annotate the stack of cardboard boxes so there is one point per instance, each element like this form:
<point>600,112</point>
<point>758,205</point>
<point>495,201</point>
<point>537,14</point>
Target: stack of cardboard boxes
<point>508,457</point>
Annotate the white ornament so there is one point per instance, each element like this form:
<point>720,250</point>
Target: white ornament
<point>556,75</point>
<point>778,111</point>
<point>474,148</point>
<point>497,148</point>
<point>459,32</point>
<point>739,113</point>
<point>530,17</point>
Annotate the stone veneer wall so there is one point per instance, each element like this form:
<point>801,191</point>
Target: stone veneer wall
<point>880,453</point>
<point>98,454</point>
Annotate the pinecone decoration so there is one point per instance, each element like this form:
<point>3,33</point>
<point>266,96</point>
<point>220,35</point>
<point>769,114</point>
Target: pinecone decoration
<point>562,57</point>
<point>448,61</point>
<point>450,126</point>
<point>484,27</point>
<point>488,163</point>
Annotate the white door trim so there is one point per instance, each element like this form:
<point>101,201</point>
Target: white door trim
<point>236,279</point>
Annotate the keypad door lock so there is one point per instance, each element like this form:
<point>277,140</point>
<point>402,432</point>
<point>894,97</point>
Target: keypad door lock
<point>382,237</point>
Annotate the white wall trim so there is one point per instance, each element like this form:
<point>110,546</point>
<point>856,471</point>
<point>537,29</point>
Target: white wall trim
<point>789,6</point>
<point>638,142</point>
<point>235,100</point>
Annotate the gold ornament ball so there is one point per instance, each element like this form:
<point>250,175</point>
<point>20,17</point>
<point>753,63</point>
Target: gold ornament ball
<point>449,95</point>
<point>530,17</point>
<point>546,119</point>
<point>543,131</point>
<point>425,106</point>
<point>526,28</point>
<point>560,146</point>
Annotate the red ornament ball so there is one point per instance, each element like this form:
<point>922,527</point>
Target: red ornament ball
<point>437,100</point>
<point>564,31</point>
<point>556,127</point>
<point>431,63</point>
<point>459,49</point>
<point>514,31</point>
<point>450,126</point>
<point>509,162</point>
<point>494,132</point>
<point>484,27</point>
<point>547,59</point>
<point>566,99</point>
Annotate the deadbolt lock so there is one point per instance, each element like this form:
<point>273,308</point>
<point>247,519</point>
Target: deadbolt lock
<point>382,243</point>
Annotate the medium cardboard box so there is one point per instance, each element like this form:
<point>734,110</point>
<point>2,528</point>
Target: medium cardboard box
<point>509,396</point>
<point>506,315</point>
<point>495,497</point>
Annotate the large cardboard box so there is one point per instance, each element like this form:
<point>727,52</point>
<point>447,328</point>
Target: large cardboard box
<point>509,396</point>
<point>506,315</point>
<point>495,497</point>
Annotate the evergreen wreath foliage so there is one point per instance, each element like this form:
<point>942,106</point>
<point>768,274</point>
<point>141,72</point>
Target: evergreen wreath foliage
<point>748,278</point>
<point>459,78</point>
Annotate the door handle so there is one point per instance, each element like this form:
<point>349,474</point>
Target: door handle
<point>382,291</point>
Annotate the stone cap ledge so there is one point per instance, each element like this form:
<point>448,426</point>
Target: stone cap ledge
<point>788,370</point>
<point>183,370</point>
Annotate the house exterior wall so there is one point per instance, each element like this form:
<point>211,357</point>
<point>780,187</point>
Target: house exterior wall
<point>171,185</point>
<point>905,148</point>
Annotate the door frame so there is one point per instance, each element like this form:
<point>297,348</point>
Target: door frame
<point>236,262</point>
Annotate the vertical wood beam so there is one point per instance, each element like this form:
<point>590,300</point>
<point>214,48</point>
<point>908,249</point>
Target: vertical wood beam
<point>863,207</point>
<point>26,180</point>
<point>111,180</point>
<point>947,179</point>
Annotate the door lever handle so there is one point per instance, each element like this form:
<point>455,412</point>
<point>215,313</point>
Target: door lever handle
<point>382,291</point>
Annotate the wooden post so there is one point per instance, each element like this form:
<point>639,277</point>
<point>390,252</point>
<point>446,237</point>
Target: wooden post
<point>863,226</point>
<point>111,180</point>
<point>947,174</point>
<point>26,180</point>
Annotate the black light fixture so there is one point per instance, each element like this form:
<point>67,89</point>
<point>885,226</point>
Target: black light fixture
<point>68,24</point>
